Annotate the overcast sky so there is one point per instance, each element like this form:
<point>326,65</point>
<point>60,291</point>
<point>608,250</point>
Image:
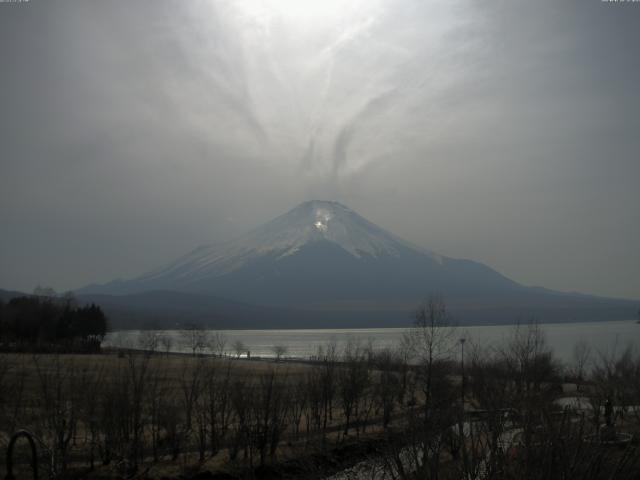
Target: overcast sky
<point>504,132</point>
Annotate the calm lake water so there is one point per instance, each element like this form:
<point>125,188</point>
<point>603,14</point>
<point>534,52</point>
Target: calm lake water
<point>605,337</point>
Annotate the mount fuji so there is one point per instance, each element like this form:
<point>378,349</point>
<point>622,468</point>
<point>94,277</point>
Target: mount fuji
<point>322,260</point>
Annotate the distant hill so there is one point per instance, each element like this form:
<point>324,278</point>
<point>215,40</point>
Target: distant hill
<point>167,309</point>
<point>6,295</point>
<point>175,310</point>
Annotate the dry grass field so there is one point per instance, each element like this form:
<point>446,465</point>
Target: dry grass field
<point>167,406</point>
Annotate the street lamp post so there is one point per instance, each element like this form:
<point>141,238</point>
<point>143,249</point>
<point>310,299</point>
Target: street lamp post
<point>462,436</point>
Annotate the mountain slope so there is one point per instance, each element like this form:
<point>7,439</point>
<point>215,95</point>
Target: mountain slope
<point>316,252</point>
<point>323,257</point>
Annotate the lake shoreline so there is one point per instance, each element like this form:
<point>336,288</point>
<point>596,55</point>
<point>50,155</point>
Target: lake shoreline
<point>602,337</point>
<point>408,325</point>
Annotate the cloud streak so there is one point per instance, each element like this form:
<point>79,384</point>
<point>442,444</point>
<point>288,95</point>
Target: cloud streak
<point>499,132</point>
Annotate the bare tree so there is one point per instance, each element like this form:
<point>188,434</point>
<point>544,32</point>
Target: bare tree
<point>529,359</point>
<point>239,347</point>
<point>217,394</point>
<point>426,429</point>
<point>387,386</point>
<point>217,344</point>
<point>240,400</point>
<point>314,393</point>
<point>57,404</point>
<point>138,372</point>
<point>298,404</point>
<point>533,372</point>
<point>92,388</point>
<point>279,351</point>
<point>166,341</point>
<point>328,382</point>
<point>196,338</point>
<point>269,413</point>
<point>157,392</point>
<point>353,381</point>
<point>616,377</point>
<point>148,341</point>
<point>430,340</point>
<point>581,356</point>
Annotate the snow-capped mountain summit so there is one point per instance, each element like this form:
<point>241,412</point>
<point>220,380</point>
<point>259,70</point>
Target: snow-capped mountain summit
<point>318,220</point>
<point>320,252</point>
<point>309,223</point>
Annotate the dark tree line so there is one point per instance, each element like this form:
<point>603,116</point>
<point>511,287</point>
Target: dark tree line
<point>48,322</point>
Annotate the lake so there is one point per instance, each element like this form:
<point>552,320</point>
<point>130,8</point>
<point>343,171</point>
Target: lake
<point>605,337</point>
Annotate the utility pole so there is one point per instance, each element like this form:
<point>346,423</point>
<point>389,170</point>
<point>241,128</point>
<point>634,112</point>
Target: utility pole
<point>462,340</point>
